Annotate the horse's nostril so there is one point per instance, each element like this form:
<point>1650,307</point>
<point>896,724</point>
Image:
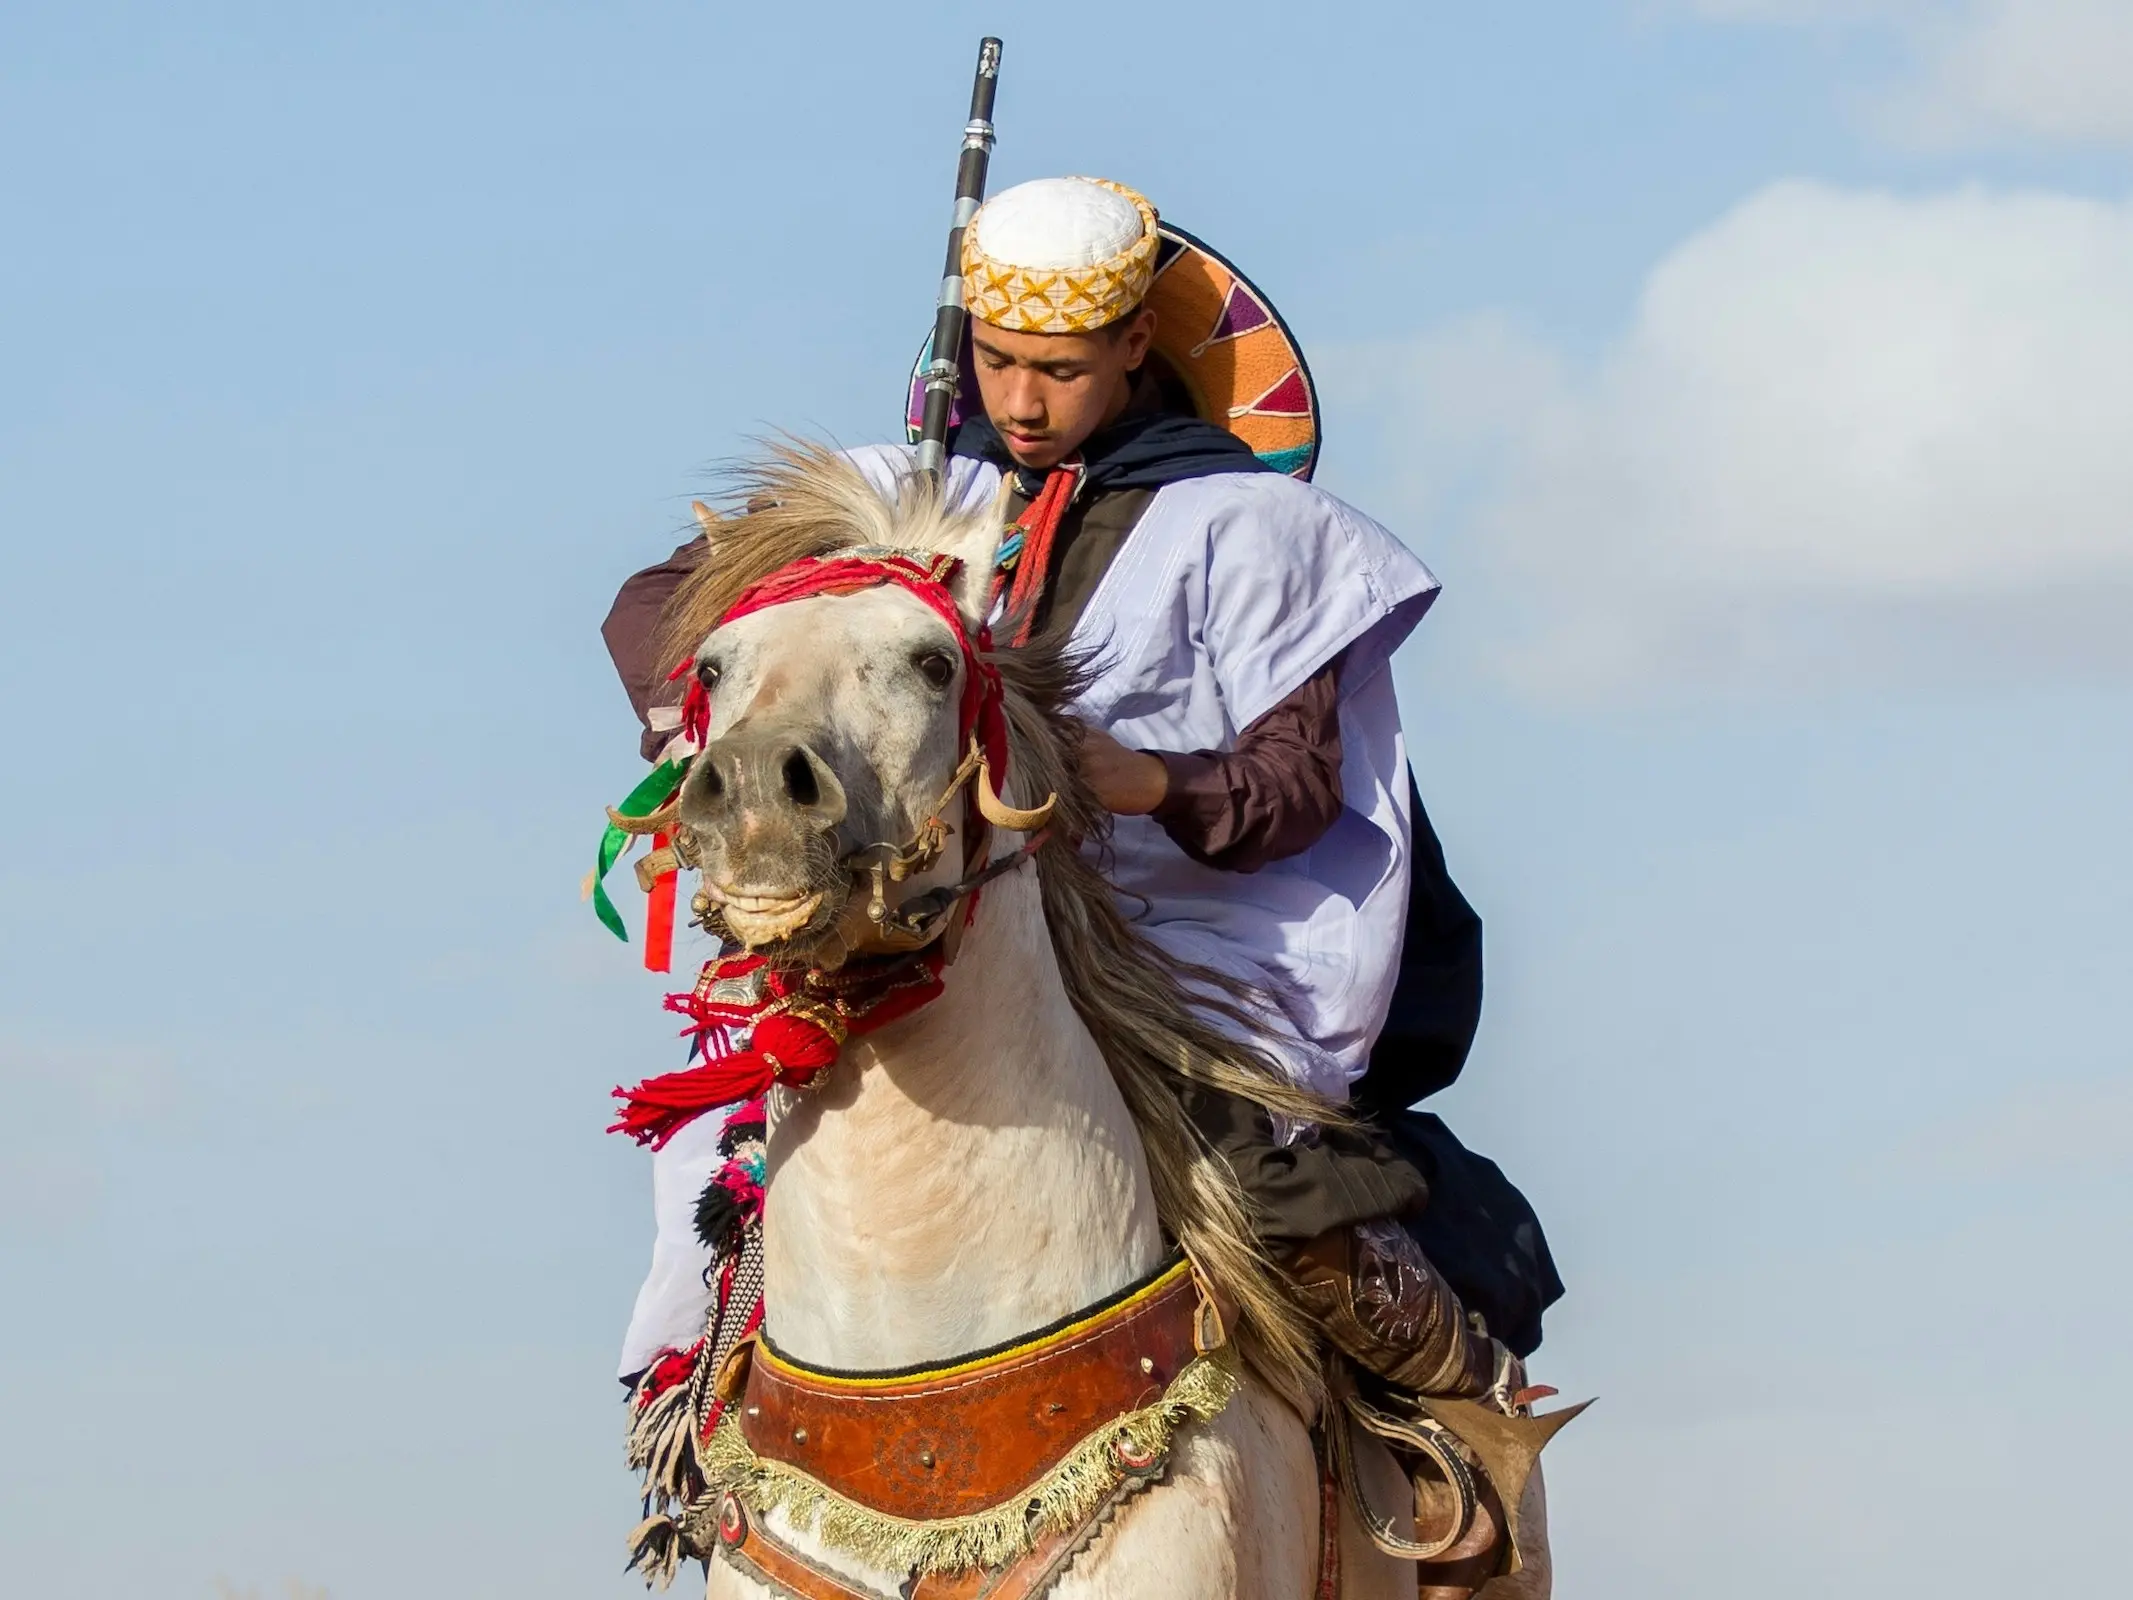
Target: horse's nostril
<point>714,781</point>
<point>800,784</point>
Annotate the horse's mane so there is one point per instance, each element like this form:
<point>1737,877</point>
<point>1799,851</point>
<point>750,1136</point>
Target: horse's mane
<point>806,500</point>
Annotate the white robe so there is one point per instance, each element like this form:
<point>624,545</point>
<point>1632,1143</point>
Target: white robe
<point>1230,594</point>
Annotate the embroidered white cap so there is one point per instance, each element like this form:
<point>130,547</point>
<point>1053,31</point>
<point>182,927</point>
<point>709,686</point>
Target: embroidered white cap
<point>1059,255</point>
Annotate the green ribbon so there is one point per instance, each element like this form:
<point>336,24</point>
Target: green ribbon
<point>656,790</point>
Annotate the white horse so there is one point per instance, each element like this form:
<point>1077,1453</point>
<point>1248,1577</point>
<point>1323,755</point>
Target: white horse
<point>1011,1152</point>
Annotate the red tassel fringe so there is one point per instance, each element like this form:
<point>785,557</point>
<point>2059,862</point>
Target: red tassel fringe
<point>670,1371</point>
<point>785,1047</point>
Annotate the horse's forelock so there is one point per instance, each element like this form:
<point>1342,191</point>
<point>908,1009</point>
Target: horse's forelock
<point>804,500</point>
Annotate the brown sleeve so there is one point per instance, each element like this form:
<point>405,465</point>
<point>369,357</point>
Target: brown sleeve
<point>632,630</point>
<point>1273,796</point>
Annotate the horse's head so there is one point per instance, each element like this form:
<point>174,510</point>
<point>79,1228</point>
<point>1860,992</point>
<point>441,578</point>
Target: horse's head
<point>844,691</point>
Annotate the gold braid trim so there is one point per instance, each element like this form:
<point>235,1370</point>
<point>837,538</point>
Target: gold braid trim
<point>1057,1502</point>
<point>824,1014</point>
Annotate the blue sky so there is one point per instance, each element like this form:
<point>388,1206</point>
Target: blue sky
<point>1749,369</point>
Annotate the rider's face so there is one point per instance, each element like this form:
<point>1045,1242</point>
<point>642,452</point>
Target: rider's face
<point>1047,392</point>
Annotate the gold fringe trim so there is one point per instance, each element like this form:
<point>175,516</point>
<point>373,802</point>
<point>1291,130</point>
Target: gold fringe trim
<point>1059,1501</point>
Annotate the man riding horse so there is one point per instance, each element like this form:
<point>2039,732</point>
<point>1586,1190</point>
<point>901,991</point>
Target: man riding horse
<point>1144,425</point>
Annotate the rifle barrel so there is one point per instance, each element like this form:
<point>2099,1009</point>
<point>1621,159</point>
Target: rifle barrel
<point>944,373</point>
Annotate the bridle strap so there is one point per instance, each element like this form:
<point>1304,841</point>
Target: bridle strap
<point>916,922</point>
<point>921,917</point>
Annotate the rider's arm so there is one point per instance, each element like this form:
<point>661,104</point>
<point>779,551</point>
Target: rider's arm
<point>1272,796</point>
<point>632,629</point>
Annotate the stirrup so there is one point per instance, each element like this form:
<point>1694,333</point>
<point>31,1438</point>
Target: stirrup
<point>1419,1434</point>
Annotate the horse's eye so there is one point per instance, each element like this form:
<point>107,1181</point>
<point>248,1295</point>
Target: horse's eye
<point>936,668</point>
<point>707,674</point>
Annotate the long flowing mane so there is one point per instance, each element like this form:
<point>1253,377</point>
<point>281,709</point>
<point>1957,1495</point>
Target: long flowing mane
<point>806,500</point>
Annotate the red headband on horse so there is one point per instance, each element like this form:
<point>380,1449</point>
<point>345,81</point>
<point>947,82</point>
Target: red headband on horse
<point>923,576</point>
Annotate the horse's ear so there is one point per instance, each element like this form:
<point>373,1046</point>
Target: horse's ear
<point>706,518</point>
<point>976,545</point>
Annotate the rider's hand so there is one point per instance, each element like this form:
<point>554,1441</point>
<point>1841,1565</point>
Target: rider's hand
<point>1127,783</point>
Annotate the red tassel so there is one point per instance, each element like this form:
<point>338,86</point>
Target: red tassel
<point>783,1046</point>
<point>659,1108</point>
<point>659,916</point>
<point>674,1368</point>
<point>794,1048</point>
<point>783,1049</point>
<point>696,713</point>
<point>695,703</point>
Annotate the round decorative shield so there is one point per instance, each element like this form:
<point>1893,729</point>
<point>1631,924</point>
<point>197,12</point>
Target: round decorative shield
<point>1221,349</point>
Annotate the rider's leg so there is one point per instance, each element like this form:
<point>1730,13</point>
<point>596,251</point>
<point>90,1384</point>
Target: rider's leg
<point>1300,1188</point>
<point>1326,1208</point>
<point>1379,1299</point>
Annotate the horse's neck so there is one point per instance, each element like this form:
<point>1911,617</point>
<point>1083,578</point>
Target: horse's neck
<point>966,1175</point>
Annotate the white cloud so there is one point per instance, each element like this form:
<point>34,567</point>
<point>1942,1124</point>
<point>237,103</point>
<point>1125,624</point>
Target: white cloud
<point>1845,431</point>
<point>2055,69</point>
<point>2059,68</point>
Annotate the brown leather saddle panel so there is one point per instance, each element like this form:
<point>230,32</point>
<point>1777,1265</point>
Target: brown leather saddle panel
<point>933,1445</point>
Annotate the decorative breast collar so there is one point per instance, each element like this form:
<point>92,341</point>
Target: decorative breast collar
<point>981,1478</point>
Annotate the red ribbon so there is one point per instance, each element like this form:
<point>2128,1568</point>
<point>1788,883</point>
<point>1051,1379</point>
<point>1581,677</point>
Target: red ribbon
<point>980,710</point>
<point>659,915</point>
<point>1040,527</point>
